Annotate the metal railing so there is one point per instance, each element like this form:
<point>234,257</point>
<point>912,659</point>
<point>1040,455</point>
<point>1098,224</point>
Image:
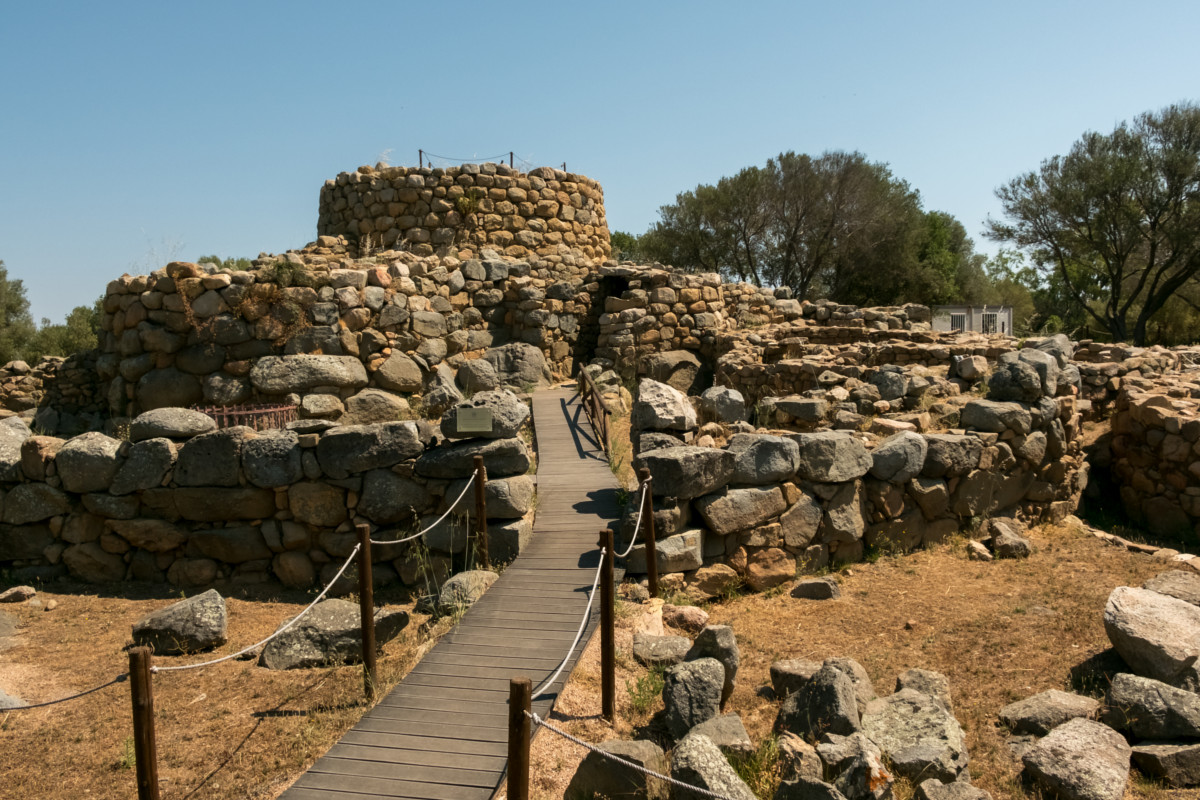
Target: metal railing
<point>595,407</point>
<point>259,417</point>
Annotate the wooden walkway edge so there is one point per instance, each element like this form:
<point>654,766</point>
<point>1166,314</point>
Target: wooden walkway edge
<point>442,733</point>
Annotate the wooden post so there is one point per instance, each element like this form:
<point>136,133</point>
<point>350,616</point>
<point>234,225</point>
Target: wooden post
<point>481,532</point>
<point>647,517</point>
<point>420,158</point>
<point>519,729</point>
<point>366,605</point>
<point>608,666</point>
<point>141,689</point>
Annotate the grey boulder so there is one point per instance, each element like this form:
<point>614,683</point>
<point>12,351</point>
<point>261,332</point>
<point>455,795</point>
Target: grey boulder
<point>762,458</point>
<point>692,694</point>
<point>899,458</point>
<point>329,634</point>
<point>170,423</point>
<point>686,472</point>
<point>88,462</point>
<point>189,626</point>
<point>831,457</point>
<point>823,704</point>
<point>508,416</point>
<point>519,365</point>
<point>1158,636</point>
<point>718,641</point>
<point>462,590</point>
<point>1181,585</point>
<point>698,762</point>
<point>501,457</point>
<point>722,404</point>
<point>660,407</point>
<point>728,733</point>
<point>600,777</point>
<point>1042,713</point>
<point>276,375</point>
<point>920,737</point>
<point>1151,709</point>
<point>659,651</point>
<point>1176,765</point>
<point>1080,760</point>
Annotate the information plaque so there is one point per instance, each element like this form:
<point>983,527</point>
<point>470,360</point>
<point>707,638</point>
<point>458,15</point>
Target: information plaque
<point>474,420</point>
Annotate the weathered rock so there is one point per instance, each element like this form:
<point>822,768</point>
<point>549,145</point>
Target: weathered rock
<point>230,545</point>
<point>272,459</point>
<point>732,510</point>
<point>995,417</point>
<point>1181,585</point>
<point>692,694</point>
<point>817,589</point>
<point>374,405</point>
<point>501,457</point>
<point>388,498</point>
<point>1042,713</point>
<point>440,393</point>
<point>600,777</point>
<point>154,535</point>
<point>933,789</point>
<point>13,433</point>
<point>899,458</point>
<point>843,520</point>
<point>686,618</point>
<point>718,641</point>
<point>864,690</point>
<point>1151,709</point>
<point>211,459</point>
<point>350,449</point>
<point>798,759</point>
<point>1007,543</point>
<point>19,594</point>
<point>1015,380</point>
<point>168,388</point>
<point>855,765</point>
<point>721,404</point>
<point>769,567</point>
<point>1175,764</point>
<point>508,414</point>
<point>1158,636</point>
<point>88,462</point>
<point>762,459</point>
<point>934,684</point>
<point>1080,760</point>
<point>918,734</point>
<point>170,423</point>
<point>687,472</point>
<point>294,569</point>
<point>698,762</point>
<point>90,563</point>
<point>951,455</point>
<point>825,703</point>
<point>32,502</point>
<point>660,407</point>
<point>317,503</point>
<point>789,675</point>
<point>37,452</point>
<point>712,581</point>
<point>477,375</point>
<point>519,366</point>
<point>805,788</point>
<point>399,373</point>
<point>659,651</point>
<point>147,466</point>
<point>678,369</point>
<point>831,456</point>
<point>276,375</point>
<point>728,733</point>
<point>462,590</point>
<point>329,634</point>
<point>800,523</point>
<point>189,626</point>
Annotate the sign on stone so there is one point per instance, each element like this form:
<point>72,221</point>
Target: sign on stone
<point>474,420</point>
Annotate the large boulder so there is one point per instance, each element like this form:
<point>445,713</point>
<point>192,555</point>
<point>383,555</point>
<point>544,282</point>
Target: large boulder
<point>1042,713</point>
<point>1080,760</point>
<point>440,393</point>
<point>790,674</point>
<point>154,535</point>
<point>732,510</point>
<point>681,552</point>
<point>696,761</point>
<point>1151,709</point>
<point>718,641</point>
<point>211,459</point>
<point>1181,585</point>
<point>926,681</point>
<point>519,365</point>
<point>831,457</point>
<point>855,765</point>
<point>728,733</point>
<point>692,694</point>
<point>686,472</point>
<point>721,404</point>
<point>508,415</point>
<point>350,449</point>
<point>88,462</point>
<point>1176,765</point>
<point>13,433</point>
<point>600,777</point>
<point>462,590</point>
<point>477,375</point>
<point>899,458</point>
<point>32,502</point>
<point>996,417</point>
<point>189,626</point>
<point>90,563</point>
<point>170,423</point>
<point>276,375</point>
<point>676,368</point>
<point>399,373</point>
<point>501,457</point>
<point>660,407</point>
<point>762,459</point>
<point>1158,636</point>
<point>920,737</point>
<point>659,651</point>
<point>168,388</point>
<point>272,459</point>
<point>864,690</point>
<point>374,405</point>
<point>146,466</point>
<point>825,703</point>
<point>951,455</point>
<point>331,633</point>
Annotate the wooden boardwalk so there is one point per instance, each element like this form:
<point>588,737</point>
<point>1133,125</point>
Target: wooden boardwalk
<point>442,733</point>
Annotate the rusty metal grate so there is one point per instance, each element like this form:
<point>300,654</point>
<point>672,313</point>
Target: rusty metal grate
<point>258,417</point>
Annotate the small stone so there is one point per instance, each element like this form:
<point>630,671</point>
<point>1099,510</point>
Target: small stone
<point>686,618</point>
<point>791,674</point>
<point>189,626</point>
<point>817,589</point>
<point>17,594</point>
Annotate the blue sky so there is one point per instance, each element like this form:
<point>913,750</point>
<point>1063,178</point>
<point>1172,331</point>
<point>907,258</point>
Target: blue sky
<point>131,133</point>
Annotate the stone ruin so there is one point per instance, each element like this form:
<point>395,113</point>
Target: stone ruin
<point>779,432</point>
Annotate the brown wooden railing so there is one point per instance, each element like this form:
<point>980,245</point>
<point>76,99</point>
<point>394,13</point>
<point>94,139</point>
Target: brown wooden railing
<point>596,408</point>
<point>259,417</point>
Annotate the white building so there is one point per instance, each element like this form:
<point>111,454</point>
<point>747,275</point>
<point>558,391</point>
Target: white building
<point>980,319</point>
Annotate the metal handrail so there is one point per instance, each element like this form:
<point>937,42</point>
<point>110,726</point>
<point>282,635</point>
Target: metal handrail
<point>597,410</point>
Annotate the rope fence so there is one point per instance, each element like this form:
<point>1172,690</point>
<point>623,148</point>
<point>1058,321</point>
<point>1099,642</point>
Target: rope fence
<point>587,614</point>
<point>124,676</point>
<point>436,522</point>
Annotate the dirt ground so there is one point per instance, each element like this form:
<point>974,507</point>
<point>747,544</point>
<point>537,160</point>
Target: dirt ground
<point>1000,631</point>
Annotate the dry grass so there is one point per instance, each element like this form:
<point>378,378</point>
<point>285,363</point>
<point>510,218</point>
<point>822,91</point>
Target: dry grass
<point>1001,632</point>
<point>233,730</point>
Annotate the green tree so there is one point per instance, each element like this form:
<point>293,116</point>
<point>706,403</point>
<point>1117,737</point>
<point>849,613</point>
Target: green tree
<point>16,325</point>
<point>230,264</point>
<point>1116,221</point>
<point>837,226</point>
<point>624,246</point>
<point>79,332</point>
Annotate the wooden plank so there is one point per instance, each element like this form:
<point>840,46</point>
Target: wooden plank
<point>388,788</point>
<point>424,743</point>
<point>395,755</point>
<point>461,733</point>
<point>459,775</point>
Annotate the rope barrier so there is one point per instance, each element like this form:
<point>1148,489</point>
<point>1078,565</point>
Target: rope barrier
<point>587,613</point>
<point>638,526</point>
<point>537,720</point>
<point>279,632</point>
<point>119,679</point>
<point>437,521</point>
<point>473,159</point>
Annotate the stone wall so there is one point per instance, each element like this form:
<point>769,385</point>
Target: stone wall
<point>63,394</point>
<point>185,503</point>
<point>545,213</point>
<point>1155,454</point>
